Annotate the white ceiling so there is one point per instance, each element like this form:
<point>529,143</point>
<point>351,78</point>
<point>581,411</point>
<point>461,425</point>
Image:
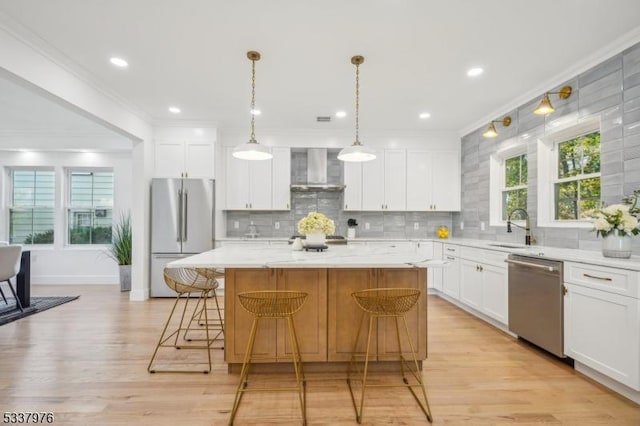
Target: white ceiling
<point>192,54</point>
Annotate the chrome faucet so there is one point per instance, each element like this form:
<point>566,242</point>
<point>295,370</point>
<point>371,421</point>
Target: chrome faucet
<point>527,227</point>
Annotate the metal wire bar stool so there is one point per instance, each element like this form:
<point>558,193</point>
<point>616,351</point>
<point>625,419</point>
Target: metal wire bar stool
<point>272,304</point>
<point>380,303</point>
<point>215,324</point>
<point>185,282</point>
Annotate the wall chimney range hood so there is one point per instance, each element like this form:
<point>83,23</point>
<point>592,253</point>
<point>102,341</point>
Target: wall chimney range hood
<point>316,174</point>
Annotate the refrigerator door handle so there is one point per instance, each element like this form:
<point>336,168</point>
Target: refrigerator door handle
<point>186,214</point>
<point>179,233</point>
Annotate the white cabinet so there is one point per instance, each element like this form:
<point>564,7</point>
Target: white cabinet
<point>384,181</point>
<point>281,178</point>
<point>602,326</point>
<point>431,250</point>
<point>484,282</point>
<point>194,159</point>
<point>352,186</point>
<point>451,274</point>
<point>433,180</point>
<point>248,183</point>
<point>471,284</point>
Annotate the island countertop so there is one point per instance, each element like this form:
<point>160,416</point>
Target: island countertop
<point>336,256</point>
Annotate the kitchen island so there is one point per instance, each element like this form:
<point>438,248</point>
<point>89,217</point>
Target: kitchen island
<point>327,323</point>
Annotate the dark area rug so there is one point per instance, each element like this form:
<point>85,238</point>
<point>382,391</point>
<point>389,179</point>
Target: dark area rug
<point>10,313</point>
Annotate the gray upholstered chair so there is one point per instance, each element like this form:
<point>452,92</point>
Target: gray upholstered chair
<point>9,268</point>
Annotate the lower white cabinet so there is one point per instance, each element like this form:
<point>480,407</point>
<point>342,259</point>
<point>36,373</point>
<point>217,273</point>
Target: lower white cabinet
<point>471,284</point>
<point>602,331</point>
<point>495,292</point>
<point>451,275</point>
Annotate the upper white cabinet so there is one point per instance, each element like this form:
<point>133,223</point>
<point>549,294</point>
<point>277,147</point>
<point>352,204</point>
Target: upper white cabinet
<point>433,180</point>
<point>194,159</point>
<point>258,185</point>
<point>384,181</point>
<point>353,186</point>
<point>281,178</point>
<point>248,183</point>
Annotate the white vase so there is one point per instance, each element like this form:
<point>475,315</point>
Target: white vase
<point>616,244</point>
<point>316,239</point>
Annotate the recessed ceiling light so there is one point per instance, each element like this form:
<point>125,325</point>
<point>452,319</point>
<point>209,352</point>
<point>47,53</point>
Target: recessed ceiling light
<point>119,62</point>
<point>474,72</point>
<point>341,114</point>
<point>174,110</point>
<point>256,112</point>
<point>424,115</point>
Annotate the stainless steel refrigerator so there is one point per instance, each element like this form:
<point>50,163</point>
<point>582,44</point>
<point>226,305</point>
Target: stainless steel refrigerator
<point>182,224</point>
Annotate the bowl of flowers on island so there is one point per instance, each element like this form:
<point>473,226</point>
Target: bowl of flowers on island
<point>316,226</point>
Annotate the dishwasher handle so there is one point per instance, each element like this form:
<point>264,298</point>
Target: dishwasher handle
<point>532,265</point>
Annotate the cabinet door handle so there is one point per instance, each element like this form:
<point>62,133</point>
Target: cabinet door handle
<point>598,278</point>
<point>287,205</point>
<point>451,258</point>
<point>450,249</point>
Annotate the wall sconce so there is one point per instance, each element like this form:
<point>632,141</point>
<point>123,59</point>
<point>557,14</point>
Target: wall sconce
<point>545,106</point>
<point>491,131</point>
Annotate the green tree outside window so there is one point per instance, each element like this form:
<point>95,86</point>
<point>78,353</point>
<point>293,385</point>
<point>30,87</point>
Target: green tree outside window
<point>514,195</point>
<point>577,189</point>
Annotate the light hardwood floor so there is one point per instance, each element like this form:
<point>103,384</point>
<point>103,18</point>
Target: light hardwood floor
<point>86,361</point>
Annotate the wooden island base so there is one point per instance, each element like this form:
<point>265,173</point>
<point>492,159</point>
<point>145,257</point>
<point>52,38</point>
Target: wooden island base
<point>327,323</point>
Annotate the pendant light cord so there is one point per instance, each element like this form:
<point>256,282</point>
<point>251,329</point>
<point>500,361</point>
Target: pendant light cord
<point>253,100</point>
<point>357,141</point>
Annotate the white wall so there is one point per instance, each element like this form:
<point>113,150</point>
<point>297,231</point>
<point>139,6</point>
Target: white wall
<point>61,264</point>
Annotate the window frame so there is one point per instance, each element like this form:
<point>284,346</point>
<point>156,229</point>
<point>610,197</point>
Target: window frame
<point>11,195</point>
<point>497,162</point>
<point>68,171</point>
<point>547,150</point>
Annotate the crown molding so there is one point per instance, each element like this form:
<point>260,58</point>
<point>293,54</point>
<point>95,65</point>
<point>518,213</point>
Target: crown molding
<point>33,41</point>
<point>610,50</point>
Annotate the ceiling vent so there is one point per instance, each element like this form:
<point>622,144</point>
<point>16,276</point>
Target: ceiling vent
<point>323,119</point>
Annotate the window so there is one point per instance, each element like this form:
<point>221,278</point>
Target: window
<point>577,186</point>
<point>569,174</point>
<point>508,180</point>
<point>514,192</point>
<point>90,207</point>
<point>31,215</point>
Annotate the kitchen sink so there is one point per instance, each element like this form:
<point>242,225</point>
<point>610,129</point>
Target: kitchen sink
<point>506,245</point>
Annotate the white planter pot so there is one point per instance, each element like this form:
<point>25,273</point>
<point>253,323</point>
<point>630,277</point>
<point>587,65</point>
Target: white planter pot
<point>316,239</point>
<point>616,244</point>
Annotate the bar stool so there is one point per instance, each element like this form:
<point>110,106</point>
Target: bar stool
<point>272,304</point>
<point>392,303</point>
<point>216,324</point>
<point>186,282</point>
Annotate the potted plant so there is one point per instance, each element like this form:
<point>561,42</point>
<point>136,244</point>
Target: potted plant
<point>120,249</point>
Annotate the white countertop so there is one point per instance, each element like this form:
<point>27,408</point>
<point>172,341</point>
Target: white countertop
<point>553,253</point>
<point>336,256</point>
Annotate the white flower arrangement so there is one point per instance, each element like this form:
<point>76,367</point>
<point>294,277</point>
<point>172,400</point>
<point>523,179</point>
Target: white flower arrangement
<point>615,216</point>
<point>316,222</point>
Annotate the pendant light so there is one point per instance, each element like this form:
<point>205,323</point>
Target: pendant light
<point>357,151</point>
<point>252,150</point>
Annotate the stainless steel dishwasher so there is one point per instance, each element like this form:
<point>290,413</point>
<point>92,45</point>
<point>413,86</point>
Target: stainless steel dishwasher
<point>536,301</point>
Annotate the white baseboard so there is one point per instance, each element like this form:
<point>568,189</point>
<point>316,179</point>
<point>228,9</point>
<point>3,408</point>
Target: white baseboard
<point>74,279</point>
<point>615,386</point>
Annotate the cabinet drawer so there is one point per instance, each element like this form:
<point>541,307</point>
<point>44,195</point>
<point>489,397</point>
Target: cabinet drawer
<point>471,253</point>
<point>450,250</point>
<point>496,258</point>
<point>612,280</point>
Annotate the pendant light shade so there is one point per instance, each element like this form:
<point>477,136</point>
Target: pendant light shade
<point>357,152</point>
<point>252,150</point>
<point>545,106</point>
<point>491,131</point>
